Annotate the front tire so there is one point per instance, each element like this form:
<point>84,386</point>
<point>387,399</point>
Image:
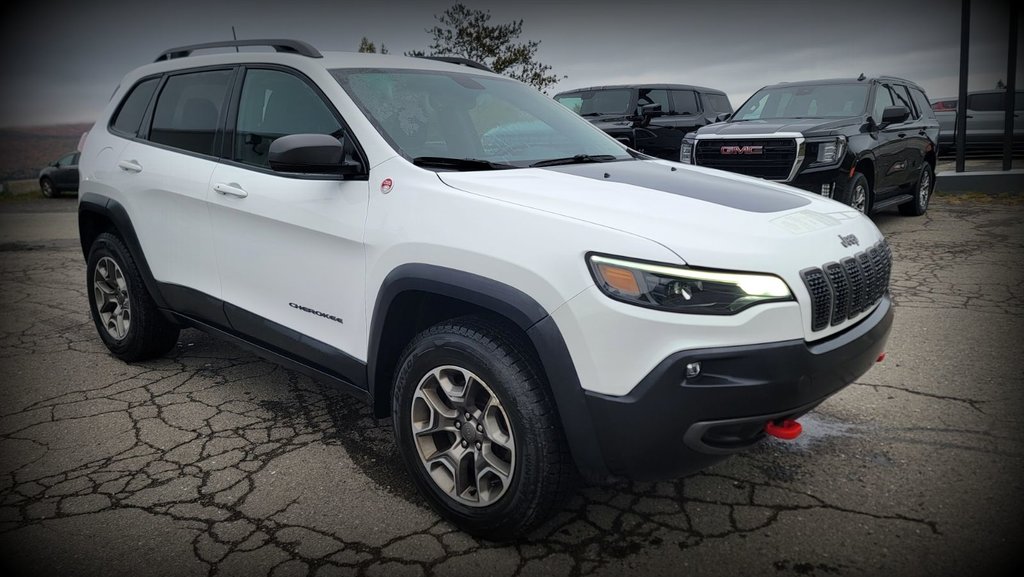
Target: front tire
<point>49,189</point>
<point>126,317</point>
<point>858,193</point>
<point>922,193</point>
<point>477,428</point>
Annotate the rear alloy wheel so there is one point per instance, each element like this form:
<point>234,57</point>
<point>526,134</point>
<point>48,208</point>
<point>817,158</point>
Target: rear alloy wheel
<point>478,430</point>
<point>126,317</point>
<point>49,190</point>
<point>922,193</point>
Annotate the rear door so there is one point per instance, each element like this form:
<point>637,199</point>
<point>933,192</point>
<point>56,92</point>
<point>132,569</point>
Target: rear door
<point>290,246</point>
<point>164,175</point>
<point>986,115</point>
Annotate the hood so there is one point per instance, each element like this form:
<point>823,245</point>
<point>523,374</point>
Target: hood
<point>801,125</point>
<point>708,218</point>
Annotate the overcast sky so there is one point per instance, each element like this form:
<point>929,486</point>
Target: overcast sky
<point>60,61</point>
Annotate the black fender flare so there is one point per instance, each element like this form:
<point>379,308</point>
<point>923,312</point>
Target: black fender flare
<point>114,212</point>
<point>520,309</point>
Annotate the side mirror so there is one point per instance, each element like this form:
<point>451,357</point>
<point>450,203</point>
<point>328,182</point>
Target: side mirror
<point>310,154</point>
<point>723,117</point>
<point>894,115</point>
<point>646,112</point>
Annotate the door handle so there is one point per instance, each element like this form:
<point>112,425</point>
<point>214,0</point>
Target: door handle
<point>230,190</point>
<point>130,166</point>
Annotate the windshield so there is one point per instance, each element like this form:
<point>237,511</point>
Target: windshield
<point>817,101</point>
<point>595,102</point>
<point>434,115</point>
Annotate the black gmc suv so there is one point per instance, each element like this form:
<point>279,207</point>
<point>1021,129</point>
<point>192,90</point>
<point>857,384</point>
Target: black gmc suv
<point>868,142</point>
<point>650,118</point>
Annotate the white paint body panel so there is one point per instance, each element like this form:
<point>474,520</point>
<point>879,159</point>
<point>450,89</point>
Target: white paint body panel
<point>329,245</point>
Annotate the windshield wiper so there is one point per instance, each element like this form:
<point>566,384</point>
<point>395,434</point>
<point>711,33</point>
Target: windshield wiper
<point>578,159</point>
<point>596,114</point>
<point>459,163</point>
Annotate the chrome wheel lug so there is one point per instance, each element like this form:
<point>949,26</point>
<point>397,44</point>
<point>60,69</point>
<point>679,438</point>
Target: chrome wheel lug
<point>465,444</point>
<point>469,417</point>
<point>458,424</point>
<point>479,445</point>
<point>480,427</point>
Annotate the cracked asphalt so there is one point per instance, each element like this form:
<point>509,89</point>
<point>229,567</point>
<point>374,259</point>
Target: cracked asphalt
<point>213,462</point>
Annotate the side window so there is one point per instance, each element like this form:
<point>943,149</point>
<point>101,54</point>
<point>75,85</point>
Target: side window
<point>648,96</point>
<point>883,100</point>
<point>923,106</point>
<point>903,99</point>
<point>68,160</point>
<point>188,110</point>
<point>717,102</point>
<point>129,116</point>
<point>276,104</point>
<point>684,102</point>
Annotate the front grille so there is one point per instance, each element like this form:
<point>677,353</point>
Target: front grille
<point>841,291</point>
<point>778,155</point>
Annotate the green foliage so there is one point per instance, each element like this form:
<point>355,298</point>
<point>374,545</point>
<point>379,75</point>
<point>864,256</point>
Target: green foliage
<point>468,33</point>
<point>366,46</point>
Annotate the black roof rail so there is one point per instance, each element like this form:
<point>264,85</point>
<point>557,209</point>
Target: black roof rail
<point>458,60</point>
<point>278,44</point>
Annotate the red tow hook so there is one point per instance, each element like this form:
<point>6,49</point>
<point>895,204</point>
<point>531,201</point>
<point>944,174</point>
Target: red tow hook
<point>785,429</point>
<point>881,357</point>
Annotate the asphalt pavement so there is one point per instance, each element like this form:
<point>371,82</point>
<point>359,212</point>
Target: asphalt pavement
<point>213,462</point>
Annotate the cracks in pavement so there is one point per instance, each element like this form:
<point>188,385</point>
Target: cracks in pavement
<point>247,459</point>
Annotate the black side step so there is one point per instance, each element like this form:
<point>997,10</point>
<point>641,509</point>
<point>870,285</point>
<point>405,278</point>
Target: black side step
<point>896,200</point>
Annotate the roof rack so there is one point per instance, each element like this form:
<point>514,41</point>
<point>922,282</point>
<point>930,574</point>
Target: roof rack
<point>280,45</point>
<point>458,60</point>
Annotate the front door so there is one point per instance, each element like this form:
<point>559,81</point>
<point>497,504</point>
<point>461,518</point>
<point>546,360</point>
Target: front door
<point>290,246</point>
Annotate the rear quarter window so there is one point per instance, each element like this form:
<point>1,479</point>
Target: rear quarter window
<point>128,117</point>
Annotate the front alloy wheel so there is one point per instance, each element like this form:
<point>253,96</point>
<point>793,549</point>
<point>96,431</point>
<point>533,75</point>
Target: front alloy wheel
<point>463,436</point>
<point>478,429</point>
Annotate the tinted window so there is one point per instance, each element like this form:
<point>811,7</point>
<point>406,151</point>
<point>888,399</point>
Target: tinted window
<point>275,104</point>
<point>922,103</point>
<point>903,99</point>
<point>684,101</point>
<point>883,100</point>
<point>596,102</point>
<point>67,160</point>
<point>805,101</point>
<point>650,96</point>
<point>188,110</point>
<point>129,117</point>
<point>986,102</point>
<point>717,102</point>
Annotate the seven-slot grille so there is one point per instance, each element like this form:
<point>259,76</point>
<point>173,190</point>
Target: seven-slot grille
<point>773,162</point>
<point>842,290</point>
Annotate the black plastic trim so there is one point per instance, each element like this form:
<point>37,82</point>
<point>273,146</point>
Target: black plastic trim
<point>274,356</point>
<point>116,213</point>
<point>522,310</point>
<point>657,431</point>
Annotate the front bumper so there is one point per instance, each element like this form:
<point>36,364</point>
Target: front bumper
<point>837,179</point>
<point>669,425</point>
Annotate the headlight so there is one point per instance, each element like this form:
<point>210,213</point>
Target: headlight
<point>684,290</point>
<point>686,152</point>
<point>831,150</point>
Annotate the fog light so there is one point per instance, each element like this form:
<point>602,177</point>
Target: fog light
<point>826,190</point>
<point>692,370</point>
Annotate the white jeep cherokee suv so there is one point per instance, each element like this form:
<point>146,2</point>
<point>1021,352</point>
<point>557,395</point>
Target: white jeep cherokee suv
<point>523,295</point>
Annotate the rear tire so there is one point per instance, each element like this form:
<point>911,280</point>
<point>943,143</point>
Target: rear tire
<point>126,317</point>
<point>858,194</point>
<point>49,190</point>
<point>505,468</point>
<point>922,193</point>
